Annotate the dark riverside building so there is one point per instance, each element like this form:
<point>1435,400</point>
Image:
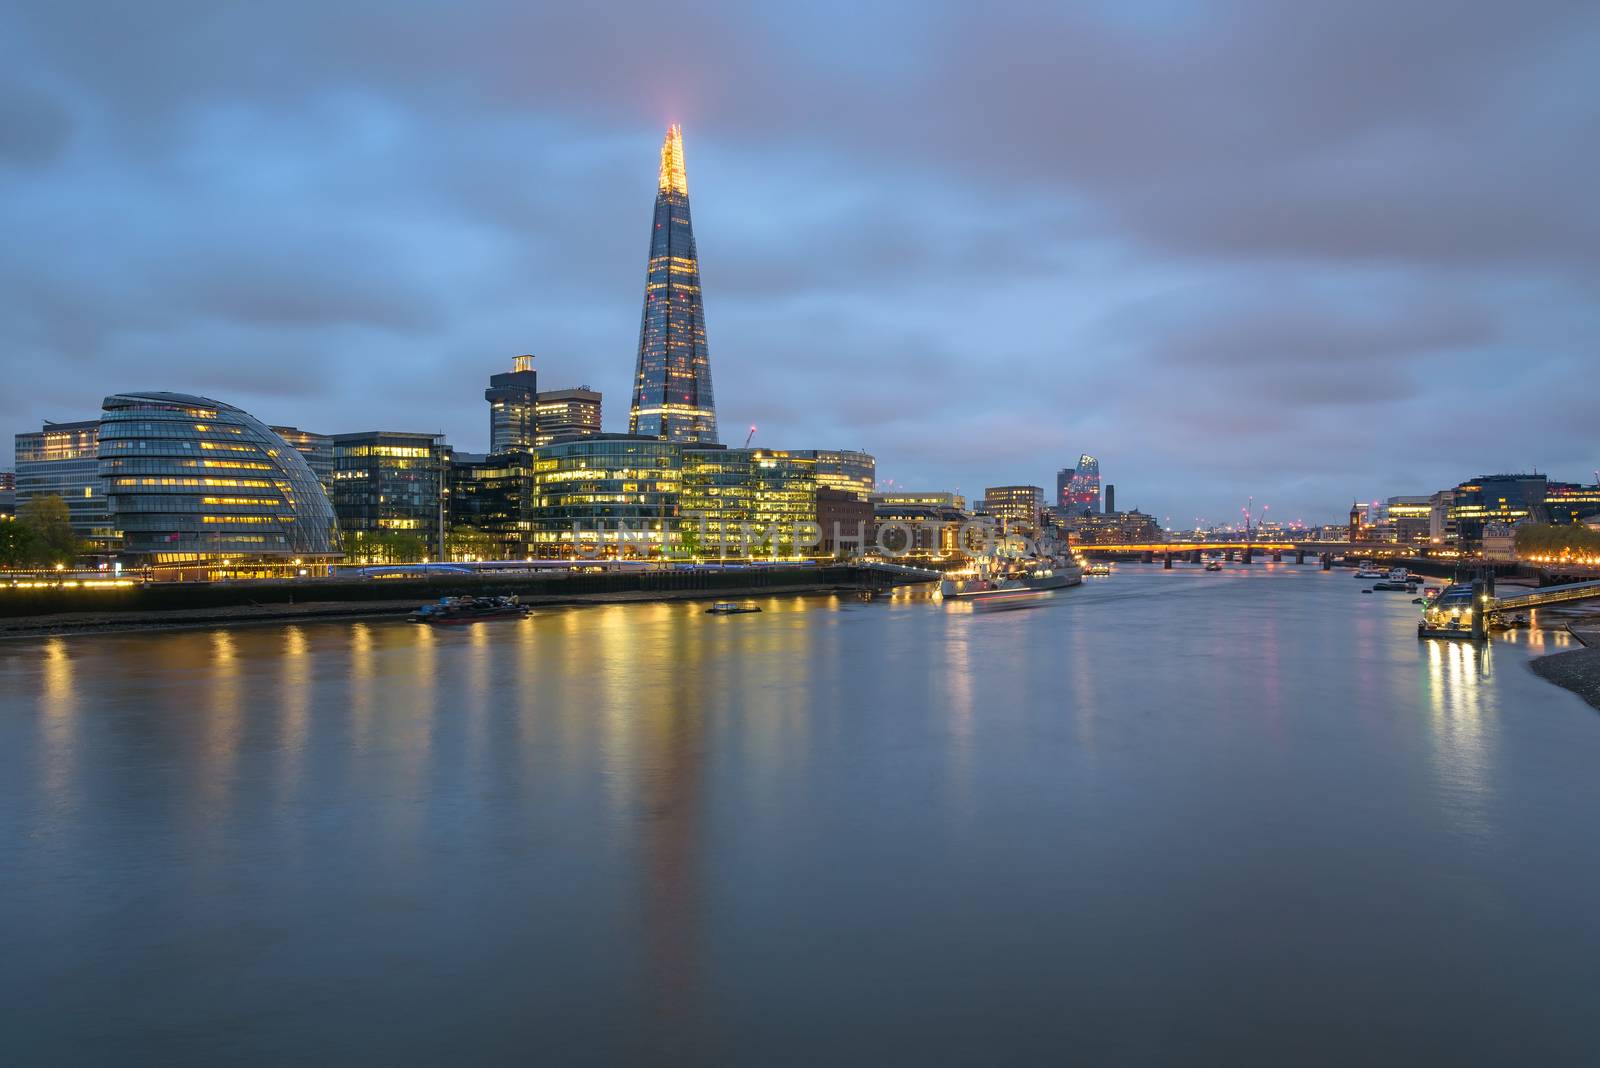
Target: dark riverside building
<point>193,480</point>
<point>672,396</point>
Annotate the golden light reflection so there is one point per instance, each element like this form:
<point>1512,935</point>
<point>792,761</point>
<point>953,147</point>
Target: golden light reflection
<point>294,698</point>
<point>1458,677</point>
<point>58,713</point>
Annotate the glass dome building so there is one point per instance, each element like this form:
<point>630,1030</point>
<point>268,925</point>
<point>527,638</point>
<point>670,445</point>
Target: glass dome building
<point>190,480</point>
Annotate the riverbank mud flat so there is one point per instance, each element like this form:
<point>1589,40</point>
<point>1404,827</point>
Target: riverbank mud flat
<point>1579,670</point>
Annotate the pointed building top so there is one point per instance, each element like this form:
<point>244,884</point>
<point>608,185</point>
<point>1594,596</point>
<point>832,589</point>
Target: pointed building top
<point>672,176</point>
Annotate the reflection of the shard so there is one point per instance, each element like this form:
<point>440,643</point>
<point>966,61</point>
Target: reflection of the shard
<point>1458,673</point>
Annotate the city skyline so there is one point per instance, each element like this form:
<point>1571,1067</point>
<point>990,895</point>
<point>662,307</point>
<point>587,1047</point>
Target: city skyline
<point>342,251</point>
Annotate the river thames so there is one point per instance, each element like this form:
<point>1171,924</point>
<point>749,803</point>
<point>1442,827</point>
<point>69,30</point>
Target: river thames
<point>1168,816</point>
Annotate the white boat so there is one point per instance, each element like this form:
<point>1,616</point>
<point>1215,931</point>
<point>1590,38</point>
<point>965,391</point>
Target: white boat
<point>1033,576</point>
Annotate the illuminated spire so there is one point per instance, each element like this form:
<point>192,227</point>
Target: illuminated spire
<point>672,176</point>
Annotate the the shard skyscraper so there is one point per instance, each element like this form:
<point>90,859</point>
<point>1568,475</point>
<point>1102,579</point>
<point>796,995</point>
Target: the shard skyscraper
<point>672,384</point>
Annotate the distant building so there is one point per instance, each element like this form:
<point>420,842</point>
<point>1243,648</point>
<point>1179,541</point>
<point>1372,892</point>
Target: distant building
<point>845,469</point>
<point>1409,519</point>
<point>1116,528</point>
<point>845,520</point>
<point>8,494</point>
<point>1441,527</point>
<point>1083,491</point>
<point>1569,502</point>
<point>513,406</point>
<point>1017,507</point>
<point>193,480</point>
<point>1500,542</point>
<point>921,499</point>
<point>1494,499</point>
<point>316,448</point>
<point>391,482</point>
<point>672,396</point>
<point>493,496</point>
<point>1111,498</point>
<point>567,413</point>
<point>934,519</point>
<point>1064,487</point>
<point>63,460</point>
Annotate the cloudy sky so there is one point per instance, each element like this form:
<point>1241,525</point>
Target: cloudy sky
<point>1307,252</point>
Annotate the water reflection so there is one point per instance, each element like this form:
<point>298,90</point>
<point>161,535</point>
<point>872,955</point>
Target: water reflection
<point>1459,685</point>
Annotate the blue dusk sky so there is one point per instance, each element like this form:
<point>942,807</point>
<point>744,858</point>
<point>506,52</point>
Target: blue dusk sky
<point>1304,251</point>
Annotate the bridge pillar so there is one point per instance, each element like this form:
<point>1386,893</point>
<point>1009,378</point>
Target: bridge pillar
<point>1300,556</point>
<point>1277,558</point>
<point>1148,558</point>
<point>1327,561</point>
<point>1228,555</point>
<point>1166,562</point>
<point>1479,630</point>
<point>1194,557</point>
<point>1248,556</point>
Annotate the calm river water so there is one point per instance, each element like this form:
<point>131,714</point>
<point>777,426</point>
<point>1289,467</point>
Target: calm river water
<point>1170,816</point>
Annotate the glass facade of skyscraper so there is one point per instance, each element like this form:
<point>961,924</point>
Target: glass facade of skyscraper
<point>672,397</point>
<point>1083,490</point>
<point>614,494</point>
<point>391,482</point>
<point>190,479</point>
<point>845,469</point>
<point>513,407</point>
<point>747,502</point>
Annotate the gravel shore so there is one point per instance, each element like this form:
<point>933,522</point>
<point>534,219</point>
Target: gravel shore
<point>1579,670</point>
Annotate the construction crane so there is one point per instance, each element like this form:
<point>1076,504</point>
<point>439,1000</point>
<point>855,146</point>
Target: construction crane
<point>750,435</point>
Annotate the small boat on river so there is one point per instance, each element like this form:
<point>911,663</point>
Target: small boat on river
<point>731,608</point>
<point>455,610</point>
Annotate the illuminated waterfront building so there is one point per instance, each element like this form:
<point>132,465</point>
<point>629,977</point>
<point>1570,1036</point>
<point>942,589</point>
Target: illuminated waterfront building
<point>1569,502</point>
<point>920,499</point>
<point>1116,528</point>
<point>193,480</point>
<point>672,395</point>
<point>63,460</point>
<point>739,502</point>
<point>513,406</point>
<point>1441,527</point>
<point>391,483</point>
<point>492,502</point>
<point>1494,499</point>
<point>567,413</point>
<point>614,494</point>
<point>1083,488</point>
<point>1064,487</point>
<point>1407,520</point>
<point>316,448</point>
<point>845,469</point>
<point>1016,508</point>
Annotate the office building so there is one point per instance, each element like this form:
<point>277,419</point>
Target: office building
<point>8,494</point>
<point>1111,498</point>
<point>390,492</point>
<point>63,460</point>
<point>610,494</point>
<point>1115,528</point>
<point>1083,489</point>
<point>845,520</point>
<point>747,502</point>
<point>921,499</point>
<point>1408,520</point>
<point>1494,499</point>
<point>845,469</point>
<point>492,500</point>
<point>567,413</point>
<point>316,448</point>
<point>1441,527</point>
<point>513,406</point>
<point>1016,508</point>
<point>193,480</point>
<point>1064,479</point>
<point>672,395</point>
